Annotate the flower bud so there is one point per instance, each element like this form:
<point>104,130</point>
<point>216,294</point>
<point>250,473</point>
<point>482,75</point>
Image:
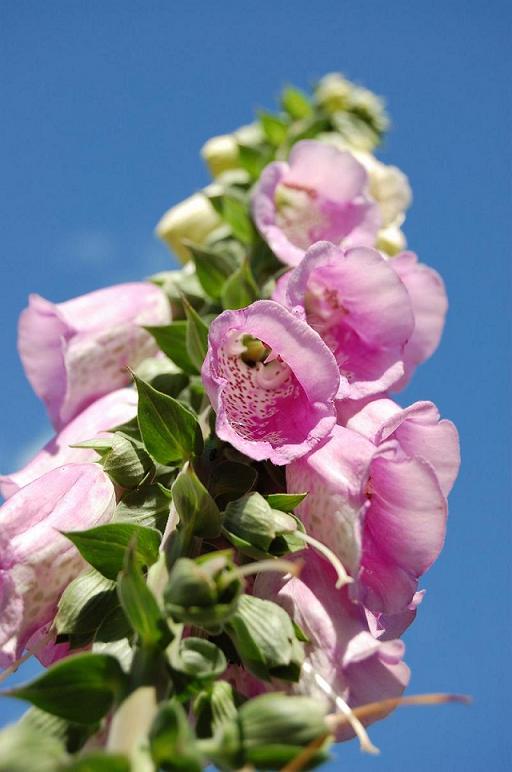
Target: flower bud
<point>220,154</point>
<point>259,531</point>
<point>125,464</point>
<point>275,726</point>
<point>204,591</point>
<point>333,92</point>
<point>370,107</point>
<point>265,639</point>
<point>391,240</point>
<point>192,219</point>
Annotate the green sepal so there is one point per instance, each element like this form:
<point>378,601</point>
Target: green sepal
<point>286,502</point>
<point>148,506</point>
<point>196,658</point>
<point>98,761</point>
<point>140,605</point>
<point>89,611</point>
<point>104,546</point>
<point>170,431</point>
<point>254,159</point>
<point>198,512</point>
<point>196,337</point>
<point>213,267</point>
<point>81,689</point>
<point>235,213</point>
<point>274,128</point>
<point>172,740</point>
<point>172,340</point>
<point>204,591</point>
<point>296,103</point>
<point>240,290</point>
<point>265,639</point>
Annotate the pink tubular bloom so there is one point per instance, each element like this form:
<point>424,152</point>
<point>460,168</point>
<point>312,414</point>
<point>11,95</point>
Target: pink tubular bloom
<point>361,309</point>
<point>377,497</point>
<point>271,380</point>
<point>77,351</point>
<point>107,413</point>
<point>429,303</point>
<point>320,194</point>
<point>343,659</point>
<point>36,561</point>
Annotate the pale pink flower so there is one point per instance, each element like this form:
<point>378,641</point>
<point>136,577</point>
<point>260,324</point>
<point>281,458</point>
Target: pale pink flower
<point>344,661</point>
<point>361,309</point>
<point>36,561</point>
<point>77,351</point>
<point>377,497</point>
<point>271,380</point>
<point>320,194</point>
<point>106,413</point>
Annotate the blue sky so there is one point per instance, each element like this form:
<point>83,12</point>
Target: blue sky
<point>105,107</point>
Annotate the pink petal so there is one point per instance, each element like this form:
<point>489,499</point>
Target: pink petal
<point>334,173</point>
<point>107,413</point>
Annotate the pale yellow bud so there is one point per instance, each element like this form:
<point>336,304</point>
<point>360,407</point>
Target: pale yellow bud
<point>333,92</point>
<point>193,219</point>
<point>391,240</point>
<point>220,154</point>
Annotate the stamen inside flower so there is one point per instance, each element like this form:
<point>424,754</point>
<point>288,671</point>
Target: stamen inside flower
<point>254,350</point>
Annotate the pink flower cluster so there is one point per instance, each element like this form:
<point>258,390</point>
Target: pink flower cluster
<point>76,356</point>
<point>301,380</point>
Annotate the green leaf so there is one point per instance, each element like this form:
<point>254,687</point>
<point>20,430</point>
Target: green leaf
<point>296,103</point>
<point>172,340</point>
<point>148,506</point>
<point>81,688</point>
<point>265,639</point>
<point>212,268</point>
<point>236,214</point>
<point>171,433</point>
<point>85,606</point>
<point>250,518</point>
<point>197,337</point>
<point>286,502</point>
<point>240,290</point>
<point>104,546</point>
<point>100,762</point>
<point>20,744</point>
<point>197,658</point>
<point>230,480</point>
<point>139,604</point>
<point>172,740</point>
<point>253,160</point>
<point>274,128</point>
<point>197,509</point>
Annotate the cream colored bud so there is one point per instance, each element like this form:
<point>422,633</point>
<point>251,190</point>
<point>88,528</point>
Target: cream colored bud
<point>391,240</point>
<point>390,187</point>
<point>365,101</point>
<point>220,154</point>
<point>333,92</point>
<point>193,219</point>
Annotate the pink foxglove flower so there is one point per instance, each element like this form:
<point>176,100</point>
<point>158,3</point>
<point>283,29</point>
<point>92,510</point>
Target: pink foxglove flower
<point>77,351</point>
<point>344,662</point>
<point>271,380</point>
<point>107,413</point>
<point>360,307</point>
<point>320,194</point>
<point>36,561</point>
<point>430,304</point>
<point>377,497</point>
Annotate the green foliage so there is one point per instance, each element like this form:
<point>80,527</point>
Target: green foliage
<point>104,546</point>
<point>170,431</point>
<point>82,688</point>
